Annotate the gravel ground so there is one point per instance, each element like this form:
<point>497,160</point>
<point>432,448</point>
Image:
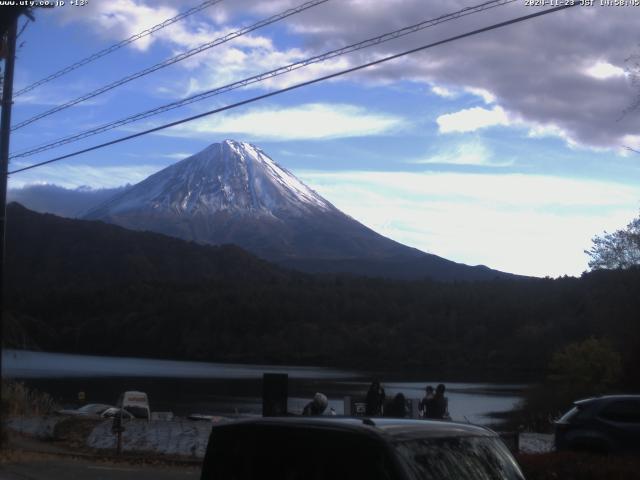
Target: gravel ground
<point>179,437</point>
<point>536,443</point>
<point>39,427</point>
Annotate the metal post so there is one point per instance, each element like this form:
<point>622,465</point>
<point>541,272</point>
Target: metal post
<point>5,133</point>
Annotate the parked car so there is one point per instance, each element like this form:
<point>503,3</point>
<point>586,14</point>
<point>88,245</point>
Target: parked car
<point>136,403</point>
<point>604,424</point>
<point>356,448</point>
<point>97,411</point>
<point>88,410</point>
<point>115,411</point>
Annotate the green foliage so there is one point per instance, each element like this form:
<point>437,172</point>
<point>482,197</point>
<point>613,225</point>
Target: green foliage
<point>93,288</point>
<point>581,369</point>
<point>620,249</point>
<point>591,366</point>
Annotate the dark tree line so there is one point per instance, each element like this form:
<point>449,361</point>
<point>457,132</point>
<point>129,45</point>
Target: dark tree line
<point>92,288</point>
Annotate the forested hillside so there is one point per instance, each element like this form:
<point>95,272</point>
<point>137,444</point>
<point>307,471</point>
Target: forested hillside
<point>87,287</point>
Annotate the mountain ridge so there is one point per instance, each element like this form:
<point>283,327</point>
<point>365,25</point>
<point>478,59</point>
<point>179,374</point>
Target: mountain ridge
<point>234,193</point>
<point>93,288</point>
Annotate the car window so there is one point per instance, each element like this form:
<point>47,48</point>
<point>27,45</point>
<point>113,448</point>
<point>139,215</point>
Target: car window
<point>576,413</point>
<point>295,454</point>
<point>92,409</point>
<point>466,458</point>
<point>138,412</point>
<point>571,414</point>
<point>627,411</point>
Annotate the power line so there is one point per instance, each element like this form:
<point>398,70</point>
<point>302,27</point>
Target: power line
<point>117,46</point>
<point>266,75</point>
<point>299,85</point>
<point>172,60</point>
<point>24,27</point>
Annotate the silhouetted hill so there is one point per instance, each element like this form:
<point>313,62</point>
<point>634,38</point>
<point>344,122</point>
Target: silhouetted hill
<point>46,250</point>
<point>233,192</point>
<point>89,287</point>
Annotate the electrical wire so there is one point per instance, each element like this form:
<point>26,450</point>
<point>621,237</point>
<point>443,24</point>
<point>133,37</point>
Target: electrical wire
<point>172,60</point>
<point>299,85</point>
<point>265,76</point>
<point>117,46</point>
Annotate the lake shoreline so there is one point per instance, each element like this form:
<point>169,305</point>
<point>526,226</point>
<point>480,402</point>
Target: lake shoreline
<point>205,388</point>
<point>408,372</point>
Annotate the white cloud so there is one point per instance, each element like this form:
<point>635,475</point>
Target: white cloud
<point>484,94</point>
<point>175,156</point>
<point>550,130</point>
<point>604,70</point>
<point>120,19</point>
<point>443,92</point>
<point>544,86</point>
<point>470,153</point>
<point>471,119</point>
<point>533,225</point>
<point>311,121</point>
<point>78,175</point>
<point>631,141</point>
<point>574,82</point>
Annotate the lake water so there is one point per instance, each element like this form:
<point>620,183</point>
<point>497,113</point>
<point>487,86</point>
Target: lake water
<point>208,388</point>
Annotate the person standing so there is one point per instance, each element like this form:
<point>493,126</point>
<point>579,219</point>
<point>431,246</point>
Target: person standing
<point>375,399</point>
<point>424,403</point>
<point>397,408</point>
<point>438,407</point>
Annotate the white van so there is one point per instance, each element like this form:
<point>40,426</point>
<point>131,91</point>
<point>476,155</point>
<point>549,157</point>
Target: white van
<point>136,403</point>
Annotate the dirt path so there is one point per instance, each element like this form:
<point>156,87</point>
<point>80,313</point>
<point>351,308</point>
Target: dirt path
<point>44,467</point>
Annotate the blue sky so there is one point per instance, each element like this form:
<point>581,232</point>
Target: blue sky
<point>505,149</point>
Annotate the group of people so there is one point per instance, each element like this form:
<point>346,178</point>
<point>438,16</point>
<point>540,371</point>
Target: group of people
<point>434,405</point>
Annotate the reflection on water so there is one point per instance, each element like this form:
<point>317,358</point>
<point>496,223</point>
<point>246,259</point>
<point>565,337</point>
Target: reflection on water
<point>471,402</point>
<point>208,388</point>
<point>29,364</point>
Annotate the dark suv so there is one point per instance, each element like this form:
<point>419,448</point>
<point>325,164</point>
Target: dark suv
<point>604,424</point>
<point>319,448</point>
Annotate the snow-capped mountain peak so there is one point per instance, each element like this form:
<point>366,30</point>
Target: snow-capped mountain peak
<point>231,176</point>
<point>233,192</point>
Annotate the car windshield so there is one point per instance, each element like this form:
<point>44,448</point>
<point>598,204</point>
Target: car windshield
<point>138,412</point>
<point>472,458</point>
<point>92,409</point>
<point>569,415</point>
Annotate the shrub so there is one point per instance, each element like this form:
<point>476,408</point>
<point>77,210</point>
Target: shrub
<point>19,399</point>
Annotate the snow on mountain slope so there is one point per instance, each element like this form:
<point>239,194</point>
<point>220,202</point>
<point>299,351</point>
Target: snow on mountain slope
<point>233,177</point>
<point>232,192</point>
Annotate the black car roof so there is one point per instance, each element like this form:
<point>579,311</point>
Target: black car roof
<point>606,399</point>
<point>395,429</point>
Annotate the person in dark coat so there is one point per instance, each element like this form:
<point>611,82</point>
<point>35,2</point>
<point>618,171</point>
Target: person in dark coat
<point>375,399</point>
<point>317,406</point>
<point>397,408</point>
<point>438,407</point>
<point>424,403</point>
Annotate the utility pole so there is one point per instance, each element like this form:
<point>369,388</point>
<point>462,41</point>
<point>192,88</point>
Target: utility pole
<point>5,134</point>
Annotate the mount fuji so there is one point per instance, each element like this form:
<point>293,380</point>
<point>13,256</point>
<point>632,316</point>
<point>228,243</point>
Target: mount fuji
<point>233,192</point>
